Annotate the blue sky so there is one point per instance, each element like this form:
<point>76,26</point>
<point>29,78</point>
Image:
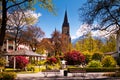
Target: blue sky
<point>48,22</point>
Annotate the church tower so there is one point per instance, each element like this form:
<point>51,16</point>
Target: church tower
<point>66,28</point>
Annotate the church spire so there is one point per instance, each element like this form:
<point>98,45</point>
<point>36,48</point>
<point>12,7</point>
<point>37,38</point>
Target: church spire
<point>65,23</point>
<point>66,28</point>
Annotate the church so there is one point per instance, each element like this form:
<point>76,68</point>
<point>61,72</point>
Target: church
<point>64,40</point>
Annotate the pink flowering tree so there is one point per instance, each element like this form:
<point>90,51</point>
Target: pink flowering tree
<point>74,58</point>
<point>21,62</point>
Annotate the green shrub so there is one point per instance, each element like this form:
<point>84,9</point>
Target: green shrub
<point>109,61</point>
<point>87,57</point>
<point>7,75</point>
<point>94,63</point>
<point>97,56</point>
<point>41,62</point>
<point>1,76</point>
<point>30,67</point>
<point>57,66</point>
<point>52,67</point>
<point>2,62</point>
<point>49,67</point>
<point>100,69</point>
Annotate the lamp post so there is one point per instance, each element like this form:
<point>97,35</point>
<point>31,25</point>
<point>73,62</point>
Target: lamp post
<point>63,64</point>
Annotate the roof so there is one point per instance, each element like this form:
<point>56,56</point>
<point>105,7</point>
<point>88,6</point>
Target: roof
<point>65,23</point>
<point>22,53</point>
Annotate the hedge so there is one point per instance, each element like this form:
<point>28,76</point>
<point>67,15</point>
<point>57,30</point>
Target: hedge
<point>7,75</point>
<point>116,74</point>
<point>102,69</point>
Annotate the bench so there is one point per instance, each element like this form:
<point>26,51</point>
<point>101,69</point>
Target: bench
<point>46,72</point>
<point>75,71</point>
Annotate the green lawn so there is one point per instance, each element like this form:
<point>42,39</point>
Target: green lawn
<point>37,69</point>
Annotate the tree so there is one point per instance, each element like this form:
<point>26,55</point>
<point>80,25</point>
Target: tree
<point>109,61</point>
<point>87,57</point>
<point>105,12</point>
<point>95,45</point>
<point>17,22</point>
<point>56,45</point>
<point>7,5</point>
<point>109,45</point>
<point>32,36</point>
<point>88,43</point>
<point>57,42</point>
<point>45,45</point>
<point>97,56</point>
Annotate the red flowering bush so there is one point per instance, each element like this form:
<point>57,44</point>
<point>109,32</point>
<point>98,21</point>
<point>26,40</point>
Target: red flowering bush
<point>51,60</point>
<point>21,62</point>
<point>74,57</point>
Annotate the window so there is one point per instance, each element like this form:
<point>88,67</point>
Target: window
<point>10,47</point>
<point>4,49</point>
<point>4,42</point>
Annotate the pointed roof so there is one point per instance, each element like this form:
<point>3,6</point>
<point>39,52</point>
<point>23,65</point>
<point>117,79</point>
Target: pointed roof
<point>65,17</point>
<point>65,23</point>
<point>55,30</point>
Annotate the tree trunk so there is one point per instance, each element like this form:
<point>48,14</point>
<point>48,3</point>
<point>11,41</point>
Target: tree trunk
<point>118,43</point>
<point>3,25</point>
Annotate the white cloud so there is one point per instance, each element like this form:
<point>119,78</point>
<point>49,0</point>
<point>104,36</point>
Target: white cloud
<point>85,28</point>
<point>99,33</point>
<point>82,31</point>
<point>32,13</point>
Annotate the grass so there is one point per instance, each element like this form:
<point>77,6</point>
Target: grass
<point>18,71</point>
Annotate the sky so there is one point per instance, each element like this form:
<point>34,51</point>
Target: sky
<point>48,22</point>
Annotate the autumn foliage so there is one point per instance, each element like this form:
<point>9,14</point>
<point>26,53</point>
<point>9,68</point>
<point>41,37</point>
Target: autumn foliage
<point>74,58</point>
<point>21,62</point>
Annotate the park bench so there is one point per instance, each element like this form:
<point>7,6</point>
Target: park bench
<point>75,72</point>
<point>46,72</point>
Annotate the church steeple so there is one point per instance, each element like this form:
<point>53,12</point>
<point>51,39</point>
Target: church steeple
<point>65,23</point>
<point>65,28</point>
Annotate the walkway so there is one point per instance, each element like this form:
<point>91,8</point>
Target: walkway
<point>40,76</point>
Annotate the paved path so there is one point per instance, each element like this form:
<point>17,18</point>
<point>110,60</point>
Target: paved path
<point>40,76</point>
